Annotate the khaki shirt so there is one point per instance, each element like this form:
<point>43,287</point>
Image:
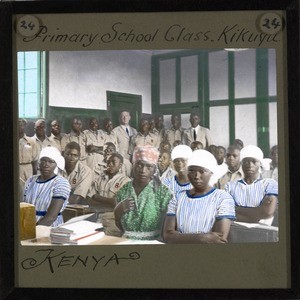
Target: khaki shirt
<point>229,176</point>
<point>80,179</point>
<point>141,140</point>
<point>41,144</point>
<point>79,139</point>
<point>172,135</point>
<point>108,187</point>
<point>160,134</point>
<point>28,151</point>
<point>56,141</point>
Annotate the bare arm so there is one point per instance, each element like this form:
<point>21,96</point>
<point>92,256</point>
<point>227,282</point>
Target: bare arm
<point>52,212</point>
<point>98,201</point>
<point>171,235</point>
<point>94,149</point>
<point>34,167</point>
<point>253,214</point>
<point>123,208</point>
<point>77,199</point>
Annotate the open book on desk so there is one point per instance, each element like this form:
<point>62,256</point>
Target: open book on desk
<point>76,233</point>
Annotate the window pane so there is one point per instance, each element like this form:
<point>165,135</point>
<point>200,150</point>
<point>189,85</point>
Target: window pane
<point>21,60</point>
<point>167,121</point>
<point>245,74</point>
<point>219,125</point>
<point>31,81</point>
<point>218,75</point>
<point>31,107</point>
<point>185,121</point>
<point>21,85</point>
<point>21,106</point>
<point>245,124</point>
<point>189,78</point>
<point>272,72</point>
<point>28,84</point>
<point>167,81</point>
<point>273,123</point>
<point>31,59</point>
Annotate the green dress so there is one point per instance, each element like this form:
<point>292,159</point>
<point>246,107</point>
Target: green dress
<point>145,222</point>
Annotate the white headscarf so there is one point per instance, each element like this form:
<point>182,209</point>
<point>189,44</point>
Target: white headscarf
<point>252,151</point>
<point>181,151</point>
<point>54,154</point>
<point>203,158</point>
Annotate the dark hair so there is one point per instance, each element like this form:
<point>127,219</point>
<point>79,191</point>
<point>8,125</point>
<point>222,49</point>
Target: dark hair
<point>73,145</point>
<point>273,149</point>
<point>118,155</point>
<point>221,147</point>
<point>110,144</point>
<point>106,120</point>
<point>233,148</point>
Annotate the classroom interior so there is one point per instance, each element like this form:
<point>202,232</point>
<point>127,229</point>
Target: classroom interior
<point>234,89</point>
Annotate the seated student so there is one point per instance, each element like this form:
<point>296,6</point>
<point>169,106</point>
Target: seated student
<point>180,154</point>
<point>222,167</point>
<point>76,135</point>
<point>176,143</point>
<point>100,167</point>
<point>255,197</point>
<point>202,214</point>
<point>196,145</point>
<point>80,176</point>
<point>164,165</point>
<point>239,143</point>
<point>48,192</point>
<point>101,196</point>
<point>164,146</point>
<point>142,202</point>
<point>234,171</point>
<point>272,170</point>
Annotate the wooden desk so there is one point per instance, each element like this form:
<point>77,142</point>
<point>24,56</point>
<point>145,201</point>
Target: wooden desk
<point>43,239</point>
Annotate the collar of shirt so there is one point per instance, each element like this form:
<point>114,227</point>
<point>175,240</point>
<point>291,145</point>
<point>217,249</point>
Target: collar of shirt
<point>196,128</point>
<point>37,139</point>
<point>72,133</point>
<point>124,127</point>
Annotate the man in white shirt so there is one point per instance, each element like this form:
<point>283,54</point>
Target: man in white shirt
<point>197,132</point>
<point>124,132</point>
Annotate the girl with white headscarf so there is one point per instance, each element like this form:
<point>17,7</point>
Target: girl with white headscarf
<point>48,192</point>
<point>202,214</point>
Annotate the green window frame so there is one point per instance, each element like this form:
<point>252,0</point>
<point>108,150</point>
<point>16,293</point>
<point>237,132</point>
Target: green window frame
<point>261,100</point>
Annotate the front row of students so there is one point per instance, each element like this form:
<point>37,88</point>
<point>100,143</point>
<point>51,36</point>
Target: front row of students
<point>180,208</point>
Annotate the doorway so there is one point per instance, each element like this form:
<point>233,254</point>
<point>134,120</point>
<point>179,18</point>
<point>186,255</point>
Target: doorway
<point>116,102</point>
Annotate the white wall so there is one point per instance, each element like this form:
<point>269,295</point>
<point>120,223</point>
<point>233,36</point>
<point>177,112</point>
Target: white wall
<point>80,79</point>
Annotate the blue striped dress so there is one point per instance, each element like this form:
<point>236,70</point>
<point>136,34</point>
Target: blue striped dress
<point>251,195</point>
<point>197,214</point>
<point>40,193</point>
<point>175,186</point>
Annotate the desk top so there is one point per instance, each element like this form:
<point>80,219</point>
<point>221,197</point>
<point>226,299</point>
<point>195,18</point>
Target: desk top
<point>43,239</point>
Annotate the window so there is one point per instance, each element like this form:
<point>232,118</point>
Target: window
<point>30,84</point>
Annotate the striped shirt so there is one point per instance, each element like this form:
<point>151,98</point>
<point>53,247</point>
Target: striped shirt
<point>251,195</point>
<point>197,214</point>
<point>175,186</point>
<point>40,194</point>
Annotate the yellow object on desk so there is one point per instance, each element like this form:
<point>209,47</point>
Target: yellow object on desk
<point>27,221</point>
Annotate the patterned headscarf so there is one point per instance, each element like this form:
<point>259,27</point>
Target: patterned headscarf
<point>146,153</point>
